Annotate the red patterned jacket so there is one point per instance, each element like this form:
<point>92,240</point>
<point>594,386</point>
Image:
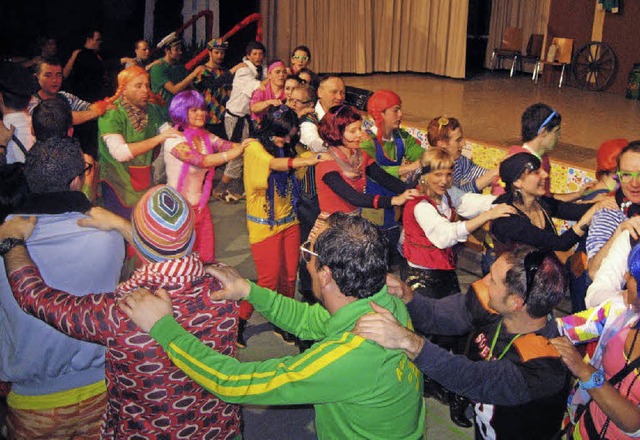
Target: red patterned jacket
<point>149,397</point>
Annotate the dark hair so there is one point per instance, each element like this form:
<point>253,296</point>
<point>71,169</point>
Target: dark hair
<point>314,78</point>
<point>89,33</point>
<point>440,128</point>
<point>293,77</point>
<point>355,251</point>
<point>549,284</point>
<point>13,188</point>
<point>633,147</point>
<point>253,45</point>
<point>51,117</point>
<point>51,61</point>
<point>278,121</point>
<point>334,123</point>
<point>302,48</point>
<point>52,164</point>
<point>533,121</point>
<point>15,101</point>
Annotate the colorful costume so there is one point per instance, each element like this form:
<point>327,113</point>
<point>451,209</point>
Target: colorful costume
<point>274,232</point>
<point>148,396</point>
<point>359,389</point>
<point>125,181</point>
<point>164,72</point>
<point>186,173</point>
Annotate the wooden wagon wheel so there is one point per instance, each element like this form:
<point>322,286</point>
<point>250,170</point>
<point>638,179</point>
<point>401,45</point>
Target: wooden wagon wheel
<point>594,66</point>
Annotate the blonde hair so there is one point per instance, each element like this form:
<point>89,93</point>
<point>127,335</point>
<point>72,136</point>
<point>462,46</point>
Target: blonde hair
<point>434,159</point>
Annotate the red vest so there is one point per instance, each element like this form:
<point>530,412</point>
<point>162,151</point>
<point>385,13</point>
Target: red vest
<point>417,248</point>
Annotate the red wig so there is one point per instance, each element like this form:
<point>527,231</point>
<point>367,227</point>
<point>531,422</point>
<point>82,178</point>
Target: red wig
<point>334,123</point>
<point>378,103</point>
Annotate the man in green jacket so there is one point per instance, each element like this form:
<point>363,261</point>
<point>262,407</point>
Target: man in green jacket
<point>359,389</point>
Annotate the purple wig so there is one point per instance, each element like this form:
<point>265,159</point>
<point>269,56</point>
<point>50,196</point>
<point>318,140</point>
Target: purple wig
<point>182,103</point>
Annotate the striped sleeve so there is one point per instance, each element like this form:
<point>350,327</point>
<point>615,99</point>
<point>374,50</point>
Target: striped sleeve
<point>603,226</point>
<point>310,377</point>
<point>465,173</point>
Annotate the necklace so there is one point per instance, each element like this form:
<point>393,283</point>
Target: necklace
<point>495,339</point>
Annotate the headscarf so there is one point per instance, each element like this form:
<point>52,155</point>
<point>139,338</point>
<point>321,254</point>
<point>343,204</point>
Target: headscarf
<point>379,102</point>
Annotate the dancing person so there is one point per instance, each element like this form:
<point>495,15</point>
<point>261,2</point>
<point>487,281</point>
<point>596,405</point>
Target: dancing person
<point>341,182</point>
<point>191,160</point>
<point>272,193</point>
<point>358,389</point>
<point>128,136</point>
<point>147,395</point>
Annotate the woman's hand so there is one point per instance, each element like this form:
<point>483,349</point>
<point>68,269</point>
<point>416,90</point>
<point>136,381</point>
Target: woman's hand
<point>317,158</point>
<point>501,210</point>
<point>403,198</point>
<point>572,358</point>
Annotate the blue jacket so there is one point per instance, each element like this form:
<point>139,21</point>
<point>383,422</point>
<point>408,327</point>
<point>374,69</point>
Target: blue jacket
<point>34,357</point>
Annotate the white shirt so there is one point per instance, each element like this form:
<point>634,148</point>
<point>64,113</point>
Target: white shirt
<point>309,136</point>
<point>22,122</point>
<point>244,84</point>
<point>609,280</point>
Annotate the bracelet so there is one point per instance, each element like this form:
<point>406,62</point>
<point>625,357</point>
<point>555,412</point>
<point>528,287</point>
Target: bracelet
<point>9,243</point>
<point>376,200</point>
<point>290,163</point>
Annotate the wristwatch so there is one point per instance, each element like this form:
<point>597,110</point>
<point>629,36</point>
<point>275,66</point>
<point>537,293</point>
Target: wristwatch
<point>596,380</point>
<point>9,243</point>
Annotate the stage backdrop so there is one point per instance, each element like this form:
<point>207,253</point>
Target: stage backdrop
<point>365,36</point>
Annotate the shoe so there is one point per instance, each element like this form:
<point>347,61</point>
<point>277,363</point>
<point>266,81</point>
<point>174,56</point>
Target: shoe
<point>286,336</point>
<point>304,345</point>
<point>240,342</point>
<point>231,198</point>
<point>435,390</point>
<point>458,410</point>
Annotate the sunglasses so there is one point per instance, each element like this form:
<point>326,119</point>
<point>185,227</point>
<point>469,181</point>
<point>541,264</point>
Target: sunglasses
<point>306,253</point>
<point>300,57</point>
<point>532,263</point>
<point>297,101</point>
<point>628,176</point>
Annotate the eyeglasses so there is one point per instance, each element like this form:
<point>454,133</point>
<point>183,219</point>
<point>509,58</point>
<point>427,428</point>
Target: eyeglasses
<point>306,253</point>
<point>297,101</point>
<point>87,169</point>
<point>546,121</point>
<point>300,57</point>
<point>628,176</point>
<point>532,263</point>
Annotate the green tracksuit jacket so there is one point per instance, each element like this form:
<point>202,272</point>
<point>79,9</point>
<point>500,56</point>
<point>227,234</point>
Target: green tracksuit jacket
<point>359,389</point>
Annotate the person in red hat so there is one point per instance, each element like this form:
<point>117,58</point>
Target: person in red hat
<point>397,152</point>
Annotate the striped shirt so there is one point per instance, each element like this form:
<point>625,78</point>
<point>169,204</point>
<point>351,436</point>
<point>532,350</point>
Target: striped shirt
<point>465,174</point>
<point>603,225</point>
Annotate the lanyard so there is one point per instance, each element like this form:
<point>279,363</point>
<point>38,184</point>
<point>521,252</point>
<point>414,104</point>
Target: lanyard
<point>495,339</point>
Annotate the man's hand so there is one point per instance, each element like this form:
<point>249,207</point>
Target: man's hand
<point>234,285</point>
<point>145,309</point>
<point>18,227</point>
<point>632,225</point>
<point>572,358</point>
<point>399,288</point>
<point>6,134</point>
<point>382,327</point>
<point>102,219</point>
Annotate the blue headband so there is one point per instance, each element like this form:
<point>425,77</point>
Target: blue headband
<point>546,121</point>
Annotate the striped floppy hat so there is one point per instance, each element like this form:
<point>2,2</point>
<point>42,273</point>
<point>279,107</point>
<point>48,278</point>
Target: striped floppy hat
<point>162,225</point>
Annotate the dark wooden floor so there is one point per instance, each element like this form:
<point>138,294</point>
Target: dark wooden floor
<point>489,107</point>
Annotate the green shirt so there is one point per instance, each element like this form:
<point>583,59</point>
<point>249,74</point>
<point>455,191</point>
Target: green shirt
<point>412,150</point>
<point>163,72</point>
<point>359,389</point>
<point>132,178</point>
